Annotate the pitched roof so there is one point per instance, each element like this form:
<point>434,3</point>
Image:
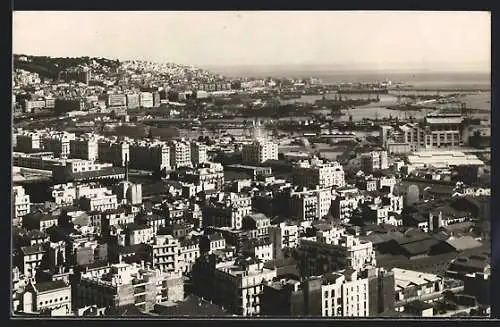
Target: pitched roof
<point>419,247</point>
<point>258,216</point>
<point>463,243</point>
<point>49,286</point>
<point>28,250</point>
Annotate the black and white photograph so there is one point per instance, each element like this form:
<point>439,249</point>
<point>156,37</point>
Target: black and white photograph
<point>263,164</point>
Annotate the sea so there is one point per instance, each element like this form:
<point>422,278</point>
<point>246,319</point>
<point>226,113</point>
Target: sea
<point>428,82</point>
<point>420,79</point>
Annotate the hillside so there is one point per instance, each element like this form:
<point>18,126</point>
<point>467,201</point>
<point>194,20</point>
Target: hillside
<point>51,66</point>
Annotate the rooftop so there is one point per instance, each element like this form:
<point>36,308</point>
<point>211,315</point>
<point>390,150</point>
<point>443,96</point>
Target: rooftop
<point>463,243</point>
<point>49,286</point>
<point>404,278</point>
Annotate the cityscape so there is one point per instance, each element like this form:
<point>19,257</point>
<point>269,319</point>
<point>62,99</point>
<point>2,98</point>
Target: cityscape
<point>188,185</point>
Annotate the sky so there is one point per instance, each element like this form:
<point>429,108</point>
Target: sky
<point>435,41</point>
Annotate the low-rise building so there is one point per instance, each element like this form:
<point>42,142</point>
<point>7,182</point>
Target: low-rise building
<point>51,298</point>
<point>415,285</point>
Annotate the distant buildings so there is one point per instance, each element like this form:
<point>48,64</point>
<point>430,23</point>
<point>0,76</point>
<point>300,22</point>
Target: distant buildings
<point>78,74</point>
<point>436,132</point>
<point>146,100</point>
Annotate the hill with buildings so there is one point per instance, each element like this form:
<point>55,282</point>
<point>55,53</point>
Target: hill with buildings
<point>50,67</point>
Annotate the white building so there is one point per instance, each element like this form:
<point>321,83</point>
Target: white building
<point>344,295</point>
<point>20,202</point>
<point>334,249</point>
<point>442,159</point>
<point>318,173</point>
<point>282,236</point>
<point>99,202</point>
<point>180,154</point>
<point>310,204</point>
<point>66,194</point>
<point>146,99</point>
<point>259,151</point>
<point>165,251</point>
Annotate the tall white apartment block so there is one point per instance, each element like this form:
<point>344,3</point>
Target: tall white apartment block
<point>259,151</point>
<point>180,154</point>
<point>344,295</point>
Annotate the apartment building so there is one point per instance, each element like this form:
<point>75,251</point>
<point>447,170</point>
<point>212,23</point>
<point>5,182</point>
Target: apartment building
<point>164,252</point>
<point>283,235</point>
<point>180,154</point>
<point>29,142</point>
<point>116,100</point>
<point>198,153</point>
<point>260,249</point>
<point>70,170</point>
<point>129,284</point>
<point>259,152</point>
<point>133,101</point>
<point>227,211</point>
<point>236,284</point>
<point>333,249</point>
<point>415,285</point>
<point>84,148</point>
<point>315,173</point>
<point>116,153</point>
<point>66,194</point>
<point>189,251</point>
<point>342,293</point>
<point>99,202</point>
<point>310,204</point>
<point>149,156</point>
<point>373,161</point>
<point>146,99</point>
<point>59,143</point>
<point>344,204</point>
<point>21,204</point>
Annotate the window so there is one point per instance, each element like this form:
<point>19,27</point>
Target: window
<point>326,294</point>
